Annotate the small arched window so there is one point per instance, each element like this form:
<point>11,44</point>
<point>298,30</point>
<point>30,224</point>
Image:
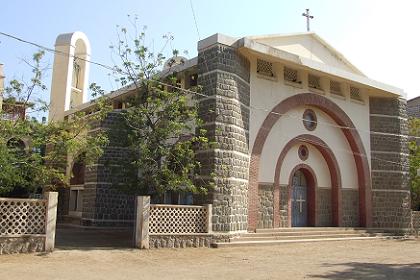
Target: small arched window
<point>16,145</point>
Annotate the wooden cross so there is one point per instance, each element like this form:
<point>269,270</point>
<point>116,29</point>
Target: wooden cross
<point>300,201</point>
<point>308,17</point>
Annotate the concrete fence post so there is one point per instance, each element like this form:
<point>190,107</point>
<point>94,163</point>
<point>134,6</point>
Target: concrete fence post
<point>50,220</point>
<point>209,208</point>
<point>141,235</point>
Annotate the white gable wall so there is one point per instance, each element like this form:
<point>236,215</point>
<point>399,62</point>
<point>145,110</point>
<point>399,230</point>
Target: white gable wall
<point>306,46</point>
<point>267,93</point>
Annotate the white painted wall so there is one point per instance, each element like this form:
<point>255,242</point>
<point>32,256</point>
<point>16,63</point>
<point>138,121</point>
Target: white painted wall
<point>267,93</point>
<point>306,46</point>
<point>315,161</point>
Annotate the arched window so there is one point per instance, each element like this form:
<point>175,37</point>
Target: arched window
<point>16,145</point>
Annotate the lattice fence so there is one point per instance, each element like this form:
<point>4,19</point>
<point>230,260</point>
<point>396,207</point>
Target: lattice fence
<point>22,216</point>
<point>177,219</point>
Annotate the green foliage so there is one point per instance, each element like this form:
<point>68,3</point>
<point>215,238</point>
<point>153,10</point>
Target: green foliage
<point>33,155</point>
<point>414,148</point>
<point>162,121</point>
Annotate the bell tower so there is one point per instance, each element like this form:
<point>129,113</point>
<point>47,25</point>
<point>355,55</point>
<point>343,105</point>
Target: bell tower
<point>70,74</point>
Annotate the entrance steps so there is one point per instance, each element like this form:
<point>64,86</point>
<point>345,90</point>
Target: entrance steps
<point>275,236</point>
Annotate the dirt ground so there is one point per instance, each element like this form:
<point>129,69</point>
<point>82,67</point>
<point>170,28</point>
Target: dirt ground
<point>378,259</point>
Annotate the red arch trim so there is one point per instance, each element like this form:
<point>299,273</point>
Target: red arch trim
<point>334,170</point>
<point>349,131</point>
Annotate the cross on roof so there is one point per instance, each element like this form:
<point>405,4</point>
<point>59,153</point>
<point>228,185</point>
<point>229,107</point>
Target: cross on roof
<point>308,17</point>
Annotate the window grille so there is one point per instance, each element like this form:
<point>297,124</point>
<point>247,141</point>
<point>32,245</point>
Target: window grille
<point>291,75</point>
<point>314,81</point>
<point>265,68</point>
<point>355,93</point>
<point>335,88</point>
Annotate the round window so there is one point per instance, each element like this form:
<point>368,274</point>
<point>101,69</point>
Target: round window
<point>309,119</point>
<point>303,152</point>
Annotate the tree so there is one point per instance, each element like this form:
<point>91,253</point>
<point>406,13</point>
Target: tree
<point>162,119</point>
<point>414,159</point>
<point>33,155</point>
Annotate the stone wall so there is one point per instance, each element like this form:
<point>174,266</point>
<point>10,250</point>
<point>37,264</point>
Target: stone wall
<point>224,74</point>
<point>180,241</point>
<point>323,208</point>
<point>389,163</point>
<point>265,211</point>
<point>350,207</point>
<point>284,206</point>
<point>413,107</point>
<point>22,244</point>
<point>103,203</point>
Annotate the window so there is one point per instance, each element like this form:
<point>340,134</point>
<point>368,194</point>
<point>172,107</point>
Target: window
<point>193,80</point>
<point>76,200</point>
<point>309,119</point>
<point>265,68</point>
<point>335,88</point>
<point>355,93</point>
<point>291,75</point>
<point>314,82</point>
<point>303,152</point>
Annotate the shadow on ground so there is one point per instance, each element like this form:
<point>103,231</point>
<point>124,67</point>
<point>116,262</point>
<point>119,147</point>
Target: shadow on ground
<point>76,238</point>
<point>371,271</point>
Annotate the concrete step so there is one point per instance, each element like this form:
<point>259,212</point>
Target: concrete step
<point>302,233</point>
<point>306,229</point>
<point>279,242</point>
<point>307,236</point>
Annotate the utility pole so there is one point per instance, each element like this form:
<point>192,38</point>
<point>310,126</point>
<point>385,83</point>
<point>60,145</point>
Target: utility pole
<point>308,17</point>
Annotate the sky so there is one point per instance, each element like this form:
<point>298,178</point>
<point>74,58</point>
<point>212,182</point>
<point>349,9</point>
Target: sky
<point>379,37</point>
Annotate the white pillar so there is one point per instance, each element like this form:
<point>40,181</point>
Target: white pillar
<point>50,220</point>
<point>142,222</point>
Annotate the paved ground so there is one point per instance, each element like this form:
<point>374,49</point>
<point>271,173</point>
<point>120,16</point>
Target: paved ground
<point>390,259</point>
<point>69,238</point>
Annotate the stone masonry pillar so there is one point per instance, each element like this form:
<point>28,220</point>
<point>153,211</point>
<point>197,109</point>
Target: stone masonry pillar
<point>389,163</point>
<point>224,75</point>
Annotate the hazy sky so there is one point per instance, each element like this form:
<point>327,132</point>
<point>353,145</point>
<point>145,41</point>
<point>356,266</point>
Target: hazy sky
<point>380,37</point>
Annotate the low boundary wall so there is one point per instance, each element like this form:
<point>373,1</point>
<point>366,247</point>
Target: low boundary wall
<point>172,226</point>
<point>28,225</point>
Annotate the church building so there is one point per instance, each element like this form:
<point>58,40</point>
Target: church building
<point>304,137</point>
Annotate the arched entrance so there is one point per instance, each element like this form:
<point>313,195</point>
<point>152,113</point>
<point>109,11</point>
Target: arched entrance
<point>334,171</point>
<point>302,197</point>
<point>350,133</point>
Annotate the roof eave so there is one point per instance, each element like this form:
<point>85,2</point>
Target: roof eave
<point>308,63</point>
